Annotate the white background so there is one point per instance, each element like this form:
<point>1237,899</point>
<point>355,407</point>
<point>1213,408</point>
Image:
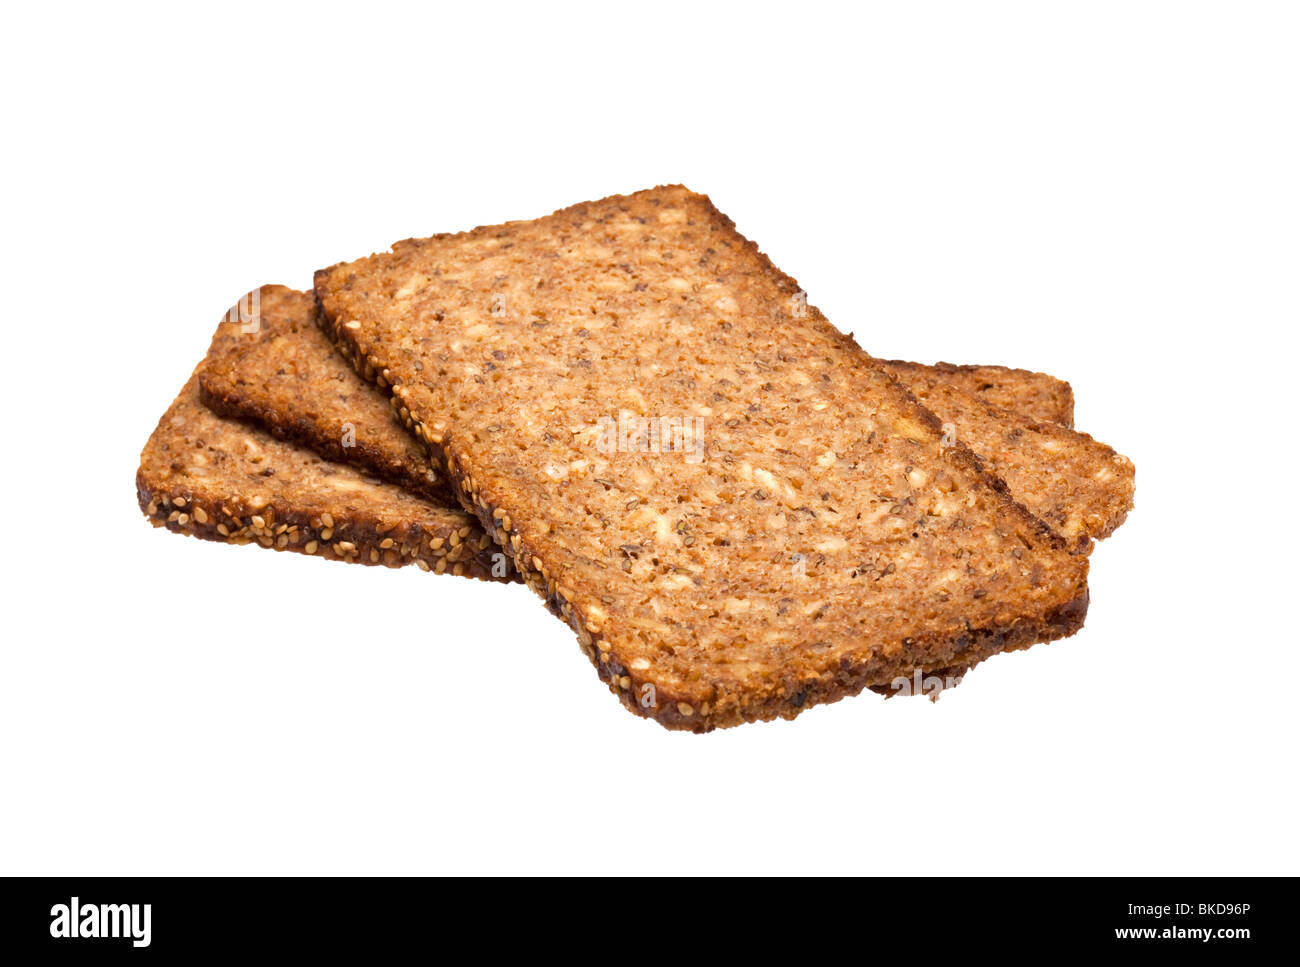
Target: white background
<point>1106,192</point>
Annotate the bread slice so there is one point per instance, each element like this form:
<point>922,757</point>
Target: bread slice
<point>283,375</point>
<point>286,377</point>
<point>218,479</point>
<point>1037,396</point>
<point>801,533</point>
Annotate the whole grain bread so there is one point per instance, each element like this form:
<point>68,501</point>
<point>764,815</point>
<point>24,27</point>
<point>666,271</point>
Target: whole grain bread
<point>813,536</point>
<point>281,373</point>
<point>219,479</point>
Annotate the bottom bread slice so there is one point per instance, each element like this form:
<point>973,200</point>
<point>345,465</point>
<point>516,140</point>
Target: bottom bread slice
<point>221,480</point>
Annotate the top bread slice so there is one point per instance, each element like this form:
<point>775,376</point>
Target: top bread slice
<point>792,526</point>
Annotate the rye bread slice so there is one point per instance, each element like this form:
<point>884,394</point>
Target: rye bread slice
<point>815,538</point>
<point>219,479</point>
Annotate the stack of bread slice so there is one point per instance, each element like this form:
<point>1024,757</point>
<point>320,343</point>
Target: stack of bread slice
<point>624,404</point>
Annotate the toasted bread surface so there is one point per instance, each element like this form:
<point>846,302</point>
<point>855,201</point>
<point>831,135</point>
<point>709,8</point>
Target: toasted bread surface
<point>739,512</point>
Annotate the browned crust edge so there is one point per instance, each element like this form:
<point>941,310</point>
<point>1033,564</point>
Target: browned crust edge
<point>357,539</point>
<point>928,652</point>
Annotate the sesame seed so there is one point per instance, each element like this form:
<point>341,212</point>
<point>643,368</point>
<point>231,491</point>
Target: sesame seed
<point>200,515</point>
<point>311,547</point>
<point>327,520</point>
